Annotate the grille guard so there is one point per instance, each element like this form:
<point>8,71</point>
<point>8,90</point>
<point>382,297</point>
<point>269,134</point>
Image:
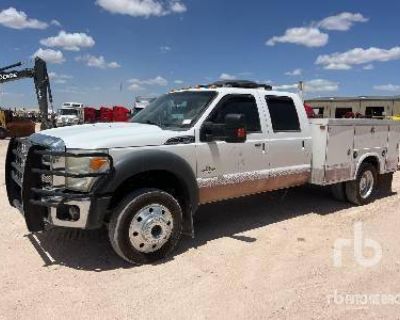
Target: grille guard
<point>27,189</point>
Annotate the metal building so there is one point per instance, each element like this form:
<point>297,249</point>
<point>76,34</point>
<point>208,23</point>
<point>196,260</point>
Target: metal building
<point>369,106</point>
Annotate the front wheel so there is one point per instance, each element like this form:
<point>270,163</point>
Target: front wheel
<point>146,226</point>
<point>362,190</point>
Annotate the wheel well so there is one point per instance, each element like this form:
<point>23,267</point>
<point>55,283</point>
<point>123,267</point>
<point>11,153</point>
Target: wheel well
<point>162,180</point>
<point>373,161</point>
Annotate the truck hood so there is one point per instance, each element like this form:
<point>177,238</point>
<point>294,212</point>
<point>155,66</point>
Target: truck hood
<point>109,135</point>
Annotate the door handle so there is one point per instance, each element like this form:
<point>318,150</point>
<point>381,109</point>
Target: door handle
<point>260,145</point>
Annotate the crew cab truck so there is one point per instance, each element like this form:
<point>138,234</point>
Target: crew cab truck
<point>146,179</point>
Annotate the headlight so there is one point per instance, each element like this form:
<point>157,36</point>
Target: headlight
<point>84,165</point>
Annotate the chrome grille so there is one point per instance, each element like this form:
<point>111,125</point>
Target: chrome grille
<point>18,165</point>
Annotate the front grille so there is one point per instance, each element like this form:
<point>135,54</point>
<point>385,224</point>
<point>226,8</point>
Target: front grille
<point>20,156</point>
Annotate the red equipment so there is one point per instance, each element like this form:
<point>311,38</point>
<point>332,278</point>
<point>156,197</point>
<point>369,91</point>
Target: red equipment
<point>120,114</point>
<point>89,115</point>
<point>106,114</point>
<point>310,111</point>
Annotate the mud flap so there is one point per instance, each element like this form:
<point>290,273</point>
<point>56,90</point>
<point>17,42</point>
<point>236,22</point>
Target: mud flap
<point>385,183</point>
<point>188,228</point>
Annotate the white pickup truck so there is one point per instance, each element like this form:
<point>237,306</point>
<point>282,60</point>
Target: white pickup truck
<point>146,179</point>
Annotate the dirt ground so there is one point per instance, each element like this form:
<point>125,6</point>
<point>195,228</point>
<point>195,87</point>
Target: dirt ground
<point>264,257</point>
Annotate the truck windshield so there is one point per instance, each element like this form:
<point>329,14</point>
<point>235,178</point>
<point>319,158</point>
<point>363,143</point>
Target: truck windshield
<point>68,112</point>
<point>177,110</point>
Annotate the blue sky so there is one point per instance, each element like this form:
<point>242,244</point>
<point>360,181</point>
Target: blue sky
<point>105,52</point>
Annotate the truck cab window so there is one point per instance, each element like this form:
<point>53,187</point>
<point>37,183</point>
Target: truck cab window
<point>245,104</point>
<point>283,114</point>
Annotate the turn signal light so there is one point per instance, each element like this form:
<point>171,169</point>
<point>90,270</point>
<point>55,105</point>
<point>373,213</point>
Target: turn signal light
<point>97,163</point>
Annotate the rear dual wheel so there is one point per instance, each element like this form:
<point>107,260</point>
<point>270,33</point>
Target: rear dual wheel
<point>360,191</point>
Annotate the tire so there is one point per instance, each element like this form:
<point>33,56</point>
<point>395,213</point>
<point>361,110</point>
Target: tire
<point>3,133</point>
<point>354,191</point>
<point>146,226</point>
<point>339,192</point>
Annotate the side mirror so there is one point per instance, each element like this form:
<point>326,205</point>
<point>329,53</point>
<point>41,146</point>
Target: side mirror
<point>207,132</point>
<point>235,128</point>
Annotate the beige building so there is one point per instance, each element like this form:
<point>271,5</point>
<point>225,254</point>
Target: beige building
<point>337,107</point>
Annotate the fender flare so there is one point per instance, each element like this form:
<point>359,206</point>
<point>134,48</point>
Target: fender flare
<point>369,155</point>
<point>141,161</point>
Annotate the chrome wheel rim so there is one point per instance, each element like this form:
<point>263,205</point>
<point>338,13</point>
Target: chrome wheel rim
<point>151,228</point>
<point>367,182</point>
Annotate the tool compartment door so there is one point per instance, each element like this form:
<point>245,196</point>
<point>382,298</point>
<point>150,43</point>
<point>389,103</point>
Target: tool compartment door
<point>371,140</point>
<point>338,163</point>
<point>392,155</point>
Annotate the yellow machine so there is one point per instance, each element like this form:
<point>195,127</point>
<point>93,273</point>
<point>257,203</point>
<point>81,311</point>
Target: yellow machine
<point>14,127</point>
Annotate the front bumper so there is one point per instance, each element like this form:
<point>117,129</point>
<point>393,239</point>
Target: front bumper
<point>33,187</point>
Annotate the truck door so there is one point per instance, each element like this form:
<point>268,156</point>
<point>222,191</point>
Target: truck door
<point>288,143</point>
<point>224,170</point>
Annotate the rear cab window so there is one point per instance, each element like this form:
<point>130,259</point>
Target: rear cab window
<point>283,114</point>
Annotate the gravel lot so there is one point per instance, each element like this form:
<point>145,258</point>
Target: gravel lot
<point>264,257</point>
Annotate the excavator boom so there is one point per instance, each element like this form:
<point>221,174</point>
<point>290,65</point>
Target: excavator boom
<point>42,85</point>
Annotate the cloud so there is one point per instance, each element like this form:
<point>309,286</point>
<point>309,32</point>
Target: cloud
<point>227,76</point>
<point>320,85</point>
<point>286,87</point>
<point>138,84</point>
<point>55,22</point>
<point>369,67</point>
<point>179,82</point>
<point>50,55</point>
<point>306,36</point>
<point>177,7</point>
<point>337,66</point>
<point>388,87</point>
<point>311,86</point>
<point>59,78</point>
<point>142,8</point>
<point>69,41</point>
<point>97,62</point>
<point>11,18</point>
<point>341,22</point>
<point>165,49</point>
<point>312,36</point>
<point>357,56</point>
<point>295,72</point>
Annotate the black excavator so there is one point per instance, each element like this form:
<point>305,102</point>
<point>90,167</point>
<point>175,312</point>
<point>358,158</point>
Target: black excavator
<point>10,125</point>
